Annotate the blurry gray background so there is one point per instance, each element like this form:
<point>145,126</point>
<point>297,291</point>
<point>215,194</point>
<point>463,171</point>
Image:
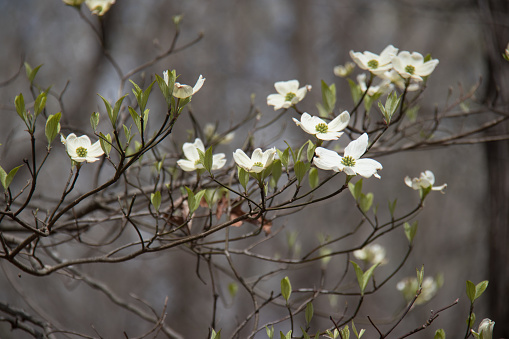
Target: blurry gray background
<point>247,46</point>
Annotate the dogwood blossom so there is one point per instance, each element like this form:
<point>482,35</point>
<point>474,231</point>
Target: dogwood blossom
<point>192,161</point>
<point>258,162</point>
<point>396,79</point>
<point>288,94</point>
<point>412,65</point>
<point>426,180</point>
<point>344,71</point>
<point>430,287</point>
<point>485,329</point>
<point>372,254</point>
<point>316,126</point>
<point>374,63</point>
<point>81,149</point>
<point>184,91</point>
<point>99,7</point>
<point>384,87</point>
<point>350,162</point>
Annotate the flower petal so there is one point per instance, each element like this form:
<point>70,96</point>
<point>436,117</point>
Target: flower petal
<point>283,87</point>
<point>276,100</point>
<point>242,159</point>
<point>329,135</point>
<point>198,84</point>
<point>340,122</point>
<point>327,160</point>
<point>367,167</point>
<point>190,151</point>
<point>357,148</point>
<point>218,161</point>
<point>187,165</point>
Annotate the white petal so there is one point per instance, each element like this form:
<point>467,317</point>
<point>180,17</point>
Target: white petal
<point>187,165</point>
<point>218,161</point>
<point>242,159</point>
<point>367,167</point>
<point>276,100</point>
<point>182,91</point>
<point>283,87</point>
<point>190,152</point>
<point>95,150</point>
<point>427,68</point>
<point>198,84</point>
<point>166,77</point>
<point>91,159</point>
<point>428,176</point>
<point>357,148</point>
<point>307,123</point>
<point>301,93</point>
<point>408,181</point>
<point>327,160</point>
<point>329,135</point>
<point>268,156</point>
<point>340,122</point>
<point>439,188</point>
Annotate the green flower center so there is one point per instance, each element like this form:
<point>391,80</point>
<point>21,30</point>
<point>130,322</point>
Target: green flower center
<point>410,69</point>
<point>289,96</point>
<point>373,64</point>
<point>258,164</point>
<point>348,161</point>
<point>81,151</point>
<point>322,128</point>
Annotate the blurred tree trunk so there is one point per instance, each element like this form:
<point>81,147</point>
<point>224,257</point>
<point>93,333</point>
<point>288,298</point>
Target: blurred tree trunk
<point>495,16</point>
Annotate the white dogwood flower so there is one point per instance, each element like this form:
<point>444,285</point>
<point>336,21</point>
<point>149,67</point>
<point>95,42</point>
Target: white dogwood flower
<point>372,254</point>
<point>412,65</point>
<point>430,286</point>
<point>81,149</point>
<point>384,87</point>
<point>192,161</point>
<point>258,162</point>
<point>374,63</point>
<point>184,91</point>
<point>288,94</point>
<point>395,78</point>
<point>426,180</point>
<point>99,7</point>
<point>485,329</point>
<point>323,131</point>
<point>350,162</point>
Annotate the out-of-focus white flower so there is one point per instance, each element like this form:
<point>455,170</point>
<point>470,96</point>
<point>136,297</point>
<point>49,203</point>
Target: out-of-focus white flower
<point>485,329</point>
<point>372,254</point>
<point>409,286</point>
<point>426,180</point>
<point>350,163</point>
<point>81,149</point>
<point>374,63</point>
<point>288,94</point>
<point>184,91</point>
<point>210,133</point>
<point>192,161</point>
<point>384,87</point>
<point>412,65</point>
<point>99,7</point>
<point>258,162</point>
<point>344,71</point>
<point>316,126</point>
<point>73,2</point>
<point>395,78</point>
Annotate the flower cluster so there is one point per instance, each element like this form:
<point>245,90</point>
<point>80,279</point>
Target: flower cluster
<point>403,69</point>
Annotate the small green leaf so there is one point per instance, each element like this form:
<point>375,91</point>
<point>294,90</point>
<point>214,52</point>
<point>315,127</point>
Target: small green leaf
<point>283,156</point>
<point>94,120</point>
<point>287,336</point>
<point>363,277</point>
<point>392,207</point>
<point>135,116</point>
<point>309,313</point>
<point>5,178</point>
<point>471,319</point>
<point>215,335</point>
<point>345,332</point>
<point>155,199</point>
<point>207,159</point>
<point>300,169</point>
<point>355,189</point>
<point>276,171</point>
<point>109,110</point>
<point>194,199</point>
<point>314,180</point>
<point>410,231</point>
<point>286,288</point>
<point>19,102</point>
<point>243,177</point>
<point>439,334</point>
<point>270,331</point>
<point>31,73</point>
<point>366,201</point>
<point>480,288</point>
<point>52,127</point>
<point>357,334</point>
<point>355,91</point>
<point>420,275</point>
<point>105,141</point>
<point>311,150</point>
<point>299,153</point>
<point>328,96</point>
<point>233,288</point>
<point>40,103</point>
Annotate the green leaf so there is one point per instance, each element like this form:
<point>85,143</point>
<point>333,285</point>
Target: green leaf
<point>193,200</point>
<point>410,231</point>
<point>300,169</point>
<point>471,320</point>
<point>105,141</point>
<point>392,207</point>
<point>207,159</point>
<point>309,313</point>
<point>215,335</point>
<point>145,97</point>
<point>283,156</point>
<point>355,189</point>
<point>94,120</point>
<point>117,106</point>
<point>277,170</point>
<point>314,180</point>
<point>311,150</point>
<point>357,334</point>
<point>345,332</point>
<point>31,73</point>
<point>328,96</point>
<point>52,127</point>
<point>286,288</point>
<point>40,103</point>
<point>420,275</point>
<point>5,178</point>
<point>299,153</point>
<point>270,331</point>
<point>287,336</point>
<point>355,91</point>
<point>439,334</point>
<point>233,288</point>
<point>136,117</point>
<point>480,288</point>
<point>363,277</point>
<point>19,102</point>
<point>109,110</point>
<point>243,177</point>
<point>155,199</point>
<point>366,201</point>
